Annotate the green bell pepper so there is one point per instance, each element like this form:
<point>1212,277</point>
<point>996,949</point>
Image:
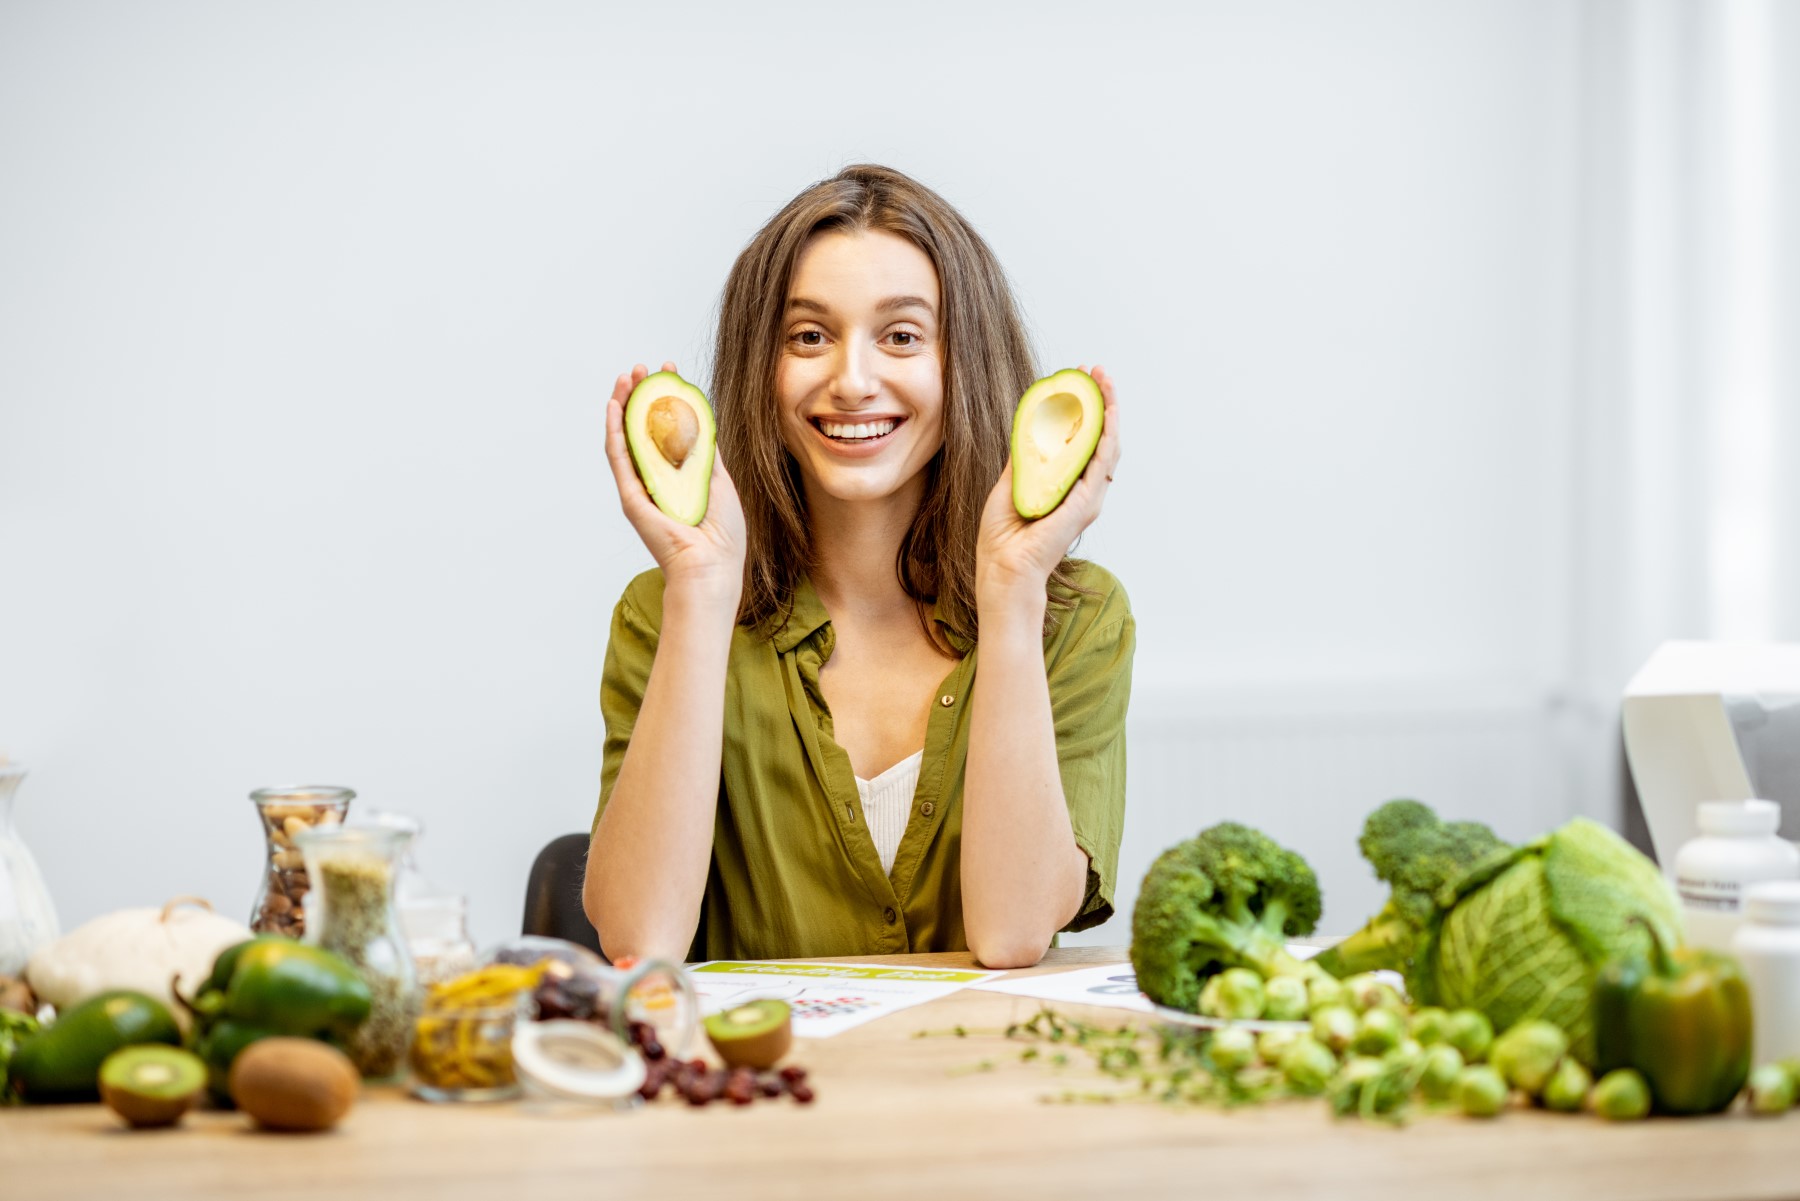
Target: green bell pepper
<point>273,986</point>
<point>287,987</point>
<point>1682,1018</point>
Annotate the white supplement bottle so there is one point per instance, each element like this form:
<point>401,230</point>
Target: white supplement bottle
<point>1737,847</point>
<point>1768,946</point>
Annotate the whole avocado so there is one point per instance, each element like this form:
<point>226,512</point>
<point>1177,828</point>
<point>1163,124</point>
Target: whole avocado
<point>62,1062</point>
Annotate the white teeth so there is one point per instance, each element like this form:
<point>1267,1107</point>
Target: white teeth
<point>871,429</point>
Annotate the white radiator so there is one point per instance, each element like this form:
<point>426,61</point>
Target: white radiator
<point>1307,768</point>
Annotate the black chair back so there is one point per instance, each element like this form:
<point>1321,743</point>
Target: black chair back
<point>553,893</point>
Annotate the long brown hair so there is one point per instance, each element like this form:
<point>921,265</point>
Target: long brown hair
<point>987,364</point>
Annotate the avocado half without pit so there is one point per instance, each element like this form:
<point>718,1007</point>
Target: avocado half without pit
<point>670,433</point>
<point>755,1034</point>
<point>1055,430</point>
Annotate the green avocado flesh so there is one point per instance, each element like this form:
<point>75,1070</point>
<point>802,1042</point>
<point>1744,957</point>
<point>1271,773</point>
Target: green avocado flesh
<point>1055,431</point>
<point>670,432</point>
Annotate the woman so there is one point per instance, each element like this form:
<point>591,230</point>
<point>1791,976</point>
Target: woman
<point>798,761</point>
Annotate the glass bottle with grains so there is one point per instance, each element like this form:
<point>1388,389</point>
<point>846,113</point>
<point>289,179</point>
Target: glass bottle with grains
<point>352,912</point>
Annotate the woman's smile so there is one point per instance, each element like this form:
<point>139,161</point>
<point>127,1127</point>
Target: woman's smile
<point>857,437</point>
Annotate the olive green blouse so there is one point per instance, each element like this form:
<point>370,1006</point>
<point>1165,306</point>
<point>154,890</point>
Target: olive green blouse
<point>794,870</point>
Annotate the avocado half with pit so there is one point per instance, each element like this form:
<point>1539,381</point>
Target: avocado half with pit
<point>1055,430</point>
<point>670,433</point>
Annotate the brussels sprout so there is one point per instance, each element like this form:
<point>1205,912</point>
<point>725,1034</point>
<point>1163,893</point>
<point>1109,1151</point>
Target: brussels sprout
<point>1240,994</point>
<point>1378,1031</point>
<point>1325,991</point>
<point>1469,1031</point>
<point>1480,1091</point>
<point>1568,1086</point>
<point>1770,1091</point>
<point>1428,1025</point>
<point>1528,1053</point>
<point>1271,1045</point>
<point>1335,1026</point>
<point>1209,1004</point>
<point>1368,992</point>
<point>1623,1095</point>
<point>1284,999</point>
<point>1443,1063</point>
<point>1233,1049</point>
<point>1407,1053</point>
<point>1308,1065</point>
<point>1367,1085</point>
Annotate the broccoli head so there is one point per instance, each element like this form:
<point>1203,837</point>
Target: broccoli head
<point>1229,897</point>
<point>1416,854</point>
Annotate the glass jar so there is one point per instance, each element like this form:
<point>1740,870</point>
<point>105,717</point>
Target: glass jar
<point>286,814</point>
<point>27,916</point>
<point>437,933</point>
<point>353,914</point>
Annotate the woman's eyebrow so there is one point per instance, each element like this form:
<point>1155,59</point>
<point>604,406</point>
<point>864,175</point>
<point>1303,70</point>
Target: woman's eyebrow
<point>891,303</point>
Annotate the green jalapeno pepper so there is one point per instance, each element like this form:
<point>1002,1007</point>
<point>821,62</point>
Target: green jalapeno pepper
<point>1682,1018</point>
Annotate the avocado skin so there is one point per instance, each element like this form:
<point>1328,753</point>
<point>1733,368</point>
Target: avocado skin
<point>682,493</point>
<point>62,1062</point>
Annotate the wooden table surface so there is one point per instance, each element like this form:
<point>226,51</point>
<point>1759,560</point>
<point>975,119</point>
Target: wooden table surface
<point>897,1117</point>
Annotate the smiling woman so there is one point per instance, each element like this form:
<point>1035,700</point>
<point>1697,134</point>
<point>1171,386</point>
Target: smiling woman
<point>797,760</point>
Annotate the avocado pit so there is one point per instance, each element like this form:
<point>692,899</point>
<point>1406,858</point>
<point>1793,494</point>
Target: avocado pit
<point>673,428</point>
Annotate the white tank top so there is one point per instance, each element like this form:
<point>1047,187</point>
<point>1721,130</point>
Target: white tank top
<point>887,803</point>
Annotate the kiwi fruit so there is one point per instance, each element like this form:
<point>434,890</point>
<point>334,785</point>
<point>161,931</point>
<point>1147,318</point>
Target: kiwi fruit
<point>151,1084</point>
<point>294,1084</point>
<point>755,1034</point>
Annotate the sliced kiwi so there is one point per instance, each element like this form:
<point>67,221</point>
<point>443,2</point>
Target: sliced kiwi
<point>151,1084</point>
<point>755,1034</point>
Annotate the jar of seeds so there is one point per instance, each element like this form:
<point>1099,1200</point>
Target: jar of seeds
<point>352,912</point>
<point>287,813</point>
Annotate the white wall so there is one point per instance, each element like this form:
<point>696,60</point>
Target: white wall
<point>307,316</point>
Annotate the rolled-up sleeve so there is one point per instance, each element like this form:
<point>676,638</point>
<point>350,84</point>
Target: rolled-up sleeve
<point>1089,673</point>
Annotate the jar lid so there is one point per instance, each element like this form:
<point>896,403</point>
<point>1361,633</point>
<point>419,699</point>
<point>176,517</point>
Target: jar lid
<point>577,1061</point>
<point>1773,902</point>
<point>1739,817</point>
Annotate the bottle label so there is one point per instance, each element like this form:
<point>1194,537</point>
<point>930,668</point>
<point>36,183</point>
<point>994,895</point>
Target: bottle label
<point>1712,896</point>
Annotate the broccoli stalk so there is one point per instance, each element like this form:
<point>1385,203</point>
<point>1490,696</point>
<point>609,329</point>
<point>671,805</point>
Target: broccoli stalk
<point>1230,897</point>
<point>1417,854</point>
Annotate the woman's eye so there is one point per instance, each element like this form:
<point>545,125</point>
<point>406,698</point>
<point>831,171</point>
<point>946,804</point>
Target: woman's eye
<point>810,337</point>
<point>904,337</point>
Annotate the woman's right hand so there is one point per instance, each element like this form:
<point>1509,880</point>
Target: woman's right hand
<point>702,562</point>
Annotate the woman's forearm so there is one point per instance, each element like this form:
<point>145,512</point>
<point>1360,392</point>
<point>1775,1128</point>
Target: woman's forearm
<point>648,861</point>
<point>1023,876</point>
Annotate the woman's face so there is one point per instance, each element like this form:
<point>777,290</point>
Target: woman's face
<point>860,381</point>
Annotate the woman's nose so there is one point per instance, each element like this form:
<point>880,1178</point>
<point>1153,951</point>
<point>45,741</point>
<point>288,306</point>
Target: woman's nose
<point>853,375</point>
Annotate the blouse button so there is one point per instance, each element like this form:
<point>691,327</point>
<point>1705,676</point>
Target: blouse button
<point>927,808</point>
<point>946,700</point>
<point>891,916</point>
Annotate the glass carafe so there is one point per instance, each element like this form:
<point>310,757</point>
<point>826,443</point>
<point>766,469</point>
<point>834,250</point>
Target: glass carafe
<point>27,916</point>
<point>351,911</point>
<point>286,814</point>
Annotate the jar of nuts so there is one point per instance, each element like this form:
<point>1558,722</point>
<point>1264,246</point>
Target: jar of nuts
<point>286,814</point>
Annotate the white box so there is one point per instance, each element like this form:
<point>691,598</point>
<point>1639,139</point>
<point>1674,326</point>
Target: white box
<point>1709,721</point>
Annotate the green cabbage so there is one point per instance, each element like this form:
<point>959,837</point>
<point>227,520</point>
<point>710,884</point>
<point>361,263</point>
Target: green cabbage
<point>1524,933</point>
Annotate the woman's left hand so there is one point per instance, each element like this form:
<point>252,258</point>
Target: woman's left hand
<point>1014,557</point>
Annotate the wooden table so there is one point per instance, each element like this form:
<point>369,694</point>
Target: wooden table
<point>896,1118</point>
